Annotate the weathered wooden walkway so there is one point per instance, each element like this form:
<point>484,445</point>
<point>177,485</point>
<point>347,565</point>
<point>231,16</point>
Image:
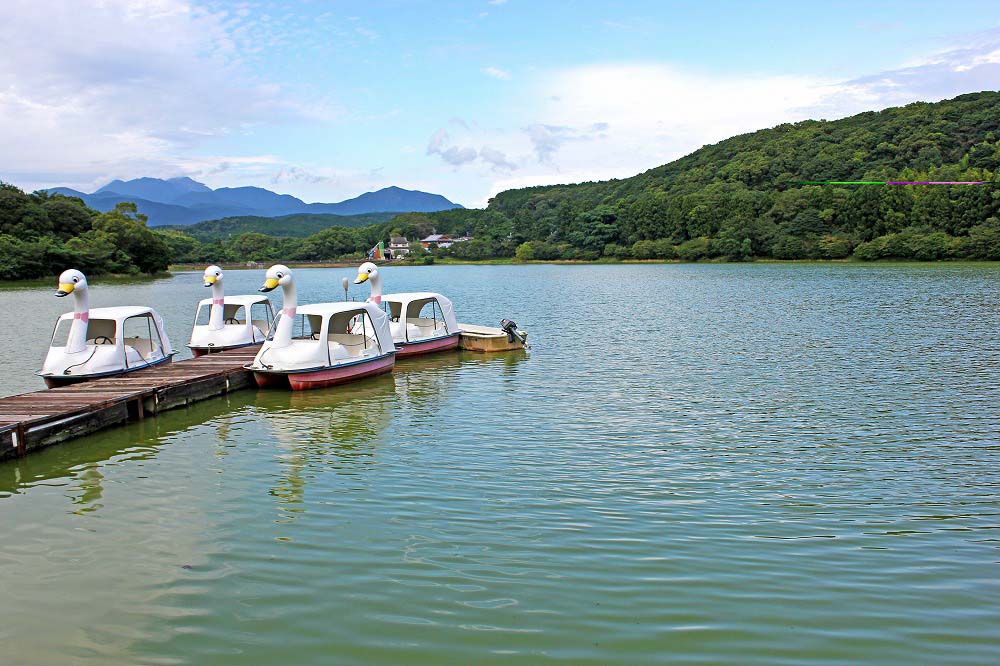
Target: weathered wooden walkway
<point>34,420</point>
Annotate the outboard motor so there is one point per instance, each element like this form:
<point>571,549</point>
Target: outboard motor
<point>510,328</point>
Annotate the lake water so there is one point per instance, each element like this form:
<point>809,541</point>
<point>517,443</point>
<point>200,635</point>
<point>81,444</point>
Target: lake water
<point>744,464</point>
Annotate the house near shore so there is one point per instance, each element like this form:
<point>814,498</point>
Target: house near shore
<point>441,240</point>
<point>399,246</point>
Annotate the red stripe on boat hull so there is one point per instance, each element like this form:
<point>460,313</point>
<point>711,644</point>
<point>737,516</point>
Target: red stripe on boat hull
<point>328,376</point>
<point>407,349</point>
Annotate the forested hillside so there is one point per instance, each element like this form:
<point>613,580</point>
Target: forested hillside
<point>736,200</point>
<point>294,226</point>
<point>739,199</point>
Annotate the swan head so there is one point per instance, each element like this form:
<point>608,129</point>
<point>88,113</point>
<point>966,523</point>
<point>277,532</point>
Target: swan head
<point>212,275</point>
<point>277,275</point>
<point>366,271</point>
<point>70,281</point>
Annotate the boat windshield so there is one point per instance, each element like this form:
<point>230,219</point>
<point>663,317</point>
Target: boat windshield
<point>304,327</point>
<point>140,333</point>
<point>427,314</point>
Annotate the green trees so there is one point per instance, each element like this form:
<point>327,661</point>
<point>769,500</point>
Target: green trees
<point>328,244</point>
<point>744,194</point>
<point>127,230</point>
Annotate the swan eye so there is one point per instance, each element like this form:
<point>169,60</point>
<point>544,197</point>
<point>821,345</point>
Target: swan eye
<point>75,280</point>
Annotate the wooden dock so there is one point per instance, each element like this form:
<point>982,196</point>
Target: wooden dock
<point>34,420</point>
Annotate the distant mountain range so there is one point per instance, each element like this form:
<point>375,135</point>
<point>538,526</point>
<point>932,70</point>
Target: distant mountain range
<point>182,201</point>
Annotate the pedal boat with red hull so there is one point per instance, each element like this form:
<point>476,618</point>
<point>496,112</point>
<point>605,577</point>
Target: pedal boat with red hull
<point>232,321</point>
<point>322,344</point>
<point>101,342</point>
<point>421,322</point>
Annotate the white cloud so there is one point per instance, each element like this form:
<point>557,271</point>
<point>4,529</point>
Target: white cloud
<point>497,73</point>
<point>615,120</point>
<point>119,88</point>
<point>497,159</point>
<point>547,139</point>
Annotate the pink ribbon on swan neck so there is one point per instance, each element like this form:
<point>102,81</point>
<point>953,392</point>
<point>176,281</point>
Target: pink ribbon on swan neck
<point>82,316</point>
<point>289,312</point>
<point>218,301</point>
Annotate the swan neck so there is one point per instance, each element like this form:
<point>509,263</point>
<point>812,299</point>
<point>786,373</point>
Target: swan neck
<point>376,283</point>
<point>289,303</point>
<point>77,339</point>
<point>215,319</point>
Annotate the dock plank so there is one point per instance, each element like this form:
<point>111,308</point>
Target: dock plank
<point>31,421</point>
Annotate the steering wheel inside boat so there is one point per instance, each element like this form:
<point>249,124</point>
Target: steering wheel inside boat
<point>233,320</point>
<point>103,340</point>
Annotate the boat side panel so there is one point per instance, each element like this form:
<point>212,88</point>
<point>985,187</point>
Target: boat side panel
<point>406,349</point>
<point>334,376</point>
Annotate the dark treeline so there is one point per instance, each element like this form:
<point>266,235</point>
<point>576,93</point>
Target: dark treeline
<point>735,200</point>
<point>42,235</point>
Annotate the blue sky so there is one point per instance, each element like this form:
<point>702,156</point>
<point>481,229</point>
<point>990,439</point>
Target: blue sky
<point>325,100</point>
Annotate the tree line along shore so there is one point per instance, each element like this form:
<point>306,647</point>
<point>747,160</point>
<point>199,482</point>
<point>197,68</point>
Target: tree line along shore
<point>741,199</point>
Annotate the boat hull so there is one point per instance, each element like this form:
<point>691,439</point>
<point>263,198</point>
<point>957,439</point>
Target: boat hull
<point>325,377</point>
<point>55,381</point>
<point>407,349</point>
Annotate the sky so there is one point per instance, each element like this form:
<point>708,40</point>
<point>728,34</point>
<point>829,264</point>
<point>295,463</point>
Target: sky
<point>327,99</point>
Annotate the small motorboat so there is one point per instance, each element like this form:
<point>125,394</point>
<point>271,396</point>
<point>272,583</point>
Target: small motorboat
<point>420,322</point>
<point>232,321</point>
<point>315,346</point>
<point>87,344</point>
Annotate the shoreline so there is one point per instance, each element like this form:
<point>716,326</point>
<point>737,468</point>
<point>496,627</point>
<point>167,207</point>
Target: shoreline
<point>126,278</point>
<point>510,261</point>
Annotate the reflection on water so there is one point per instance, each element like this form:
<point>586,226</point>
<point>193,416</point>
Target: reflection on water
<point>754,464</point>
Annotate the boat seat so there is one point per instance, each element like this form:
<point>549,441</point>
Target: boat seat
<point>425,328</point>
<point>142,346</point>
<point>352,345</point>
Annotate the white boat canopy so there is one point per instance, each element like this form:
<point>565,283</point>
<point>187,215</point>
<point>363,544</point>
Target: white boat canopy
<point>407,307</point>
<point>313,324</point>
<point>245,320</point>
<point>118,339</point>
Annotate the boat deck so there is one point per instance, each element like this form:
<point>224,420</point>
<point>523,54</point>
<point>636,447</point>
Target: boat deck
<point>34,420</point>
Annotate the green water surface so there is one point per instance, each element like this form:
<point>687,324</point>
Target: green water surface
<point>696,464</point>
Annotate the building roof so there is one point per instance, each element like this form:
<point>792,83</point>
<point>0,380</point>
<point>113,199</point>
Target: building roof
<point>433,238</point>
<point>397,240</point>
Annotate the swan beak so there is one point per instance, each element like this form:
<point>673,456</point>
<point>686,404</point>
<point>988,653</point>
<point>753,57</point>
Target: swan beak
<point>362,277</point>
<point>210,280</point>
<point>65,289</point>
<point>269,284</point>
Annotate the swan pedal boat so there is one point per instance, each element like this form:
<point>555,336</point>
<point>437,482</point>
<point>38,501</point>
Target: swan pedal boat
<point>101,342</point>
<point>413,334</point>
<point>233,322</point>
<point>324,353</point>
<point>237,330</point>
<point>420,322</point>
